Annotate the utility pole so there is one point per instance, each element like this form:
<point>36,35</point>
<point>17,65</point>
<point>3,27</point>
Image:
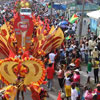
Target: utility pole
<point>75,5</point>
<point>51,8</point>
<point>81,20</point>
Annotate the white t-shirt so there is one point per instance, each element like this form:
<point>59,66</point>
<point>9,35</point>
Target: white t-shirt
<point>74,94</point>
<point>73,28</point>
<point>52,57</point>
<point>67,82</point>
<point>74,24</point>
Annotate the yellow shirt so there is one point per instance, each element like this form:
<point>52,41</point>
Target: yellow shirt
<point>96,64</point>
<point>95,54</point>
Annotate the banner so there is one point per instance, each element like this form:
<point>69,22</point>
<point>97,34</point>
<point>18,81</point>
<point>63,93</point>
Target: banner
<point>23,26</point>
<point>93,25</point>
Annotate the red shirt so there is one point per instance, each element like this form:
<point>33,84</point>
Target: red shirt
<point>98,94</point>
<point>77,62</point>
<point>50,72</point>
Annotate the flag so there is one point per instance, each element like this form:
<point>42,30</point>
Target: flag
<point>68,37</point>
<point>73,18</point>
<point>59,96</point>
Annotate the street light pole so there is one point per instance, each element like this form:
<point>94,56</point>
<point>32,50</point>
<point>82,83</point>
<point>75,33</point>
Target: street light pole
<point>51,8</point>
<point>81,20</point>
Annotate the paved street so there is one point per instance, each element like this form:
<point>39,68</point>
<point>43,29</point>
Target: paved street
<point>53,94</point>
<point>84,75</point>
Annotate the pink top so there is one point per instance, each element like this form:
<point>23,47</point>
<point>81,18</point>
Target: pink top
<point>76,78</point>
<point>88,96</point>
<point>60,74</point>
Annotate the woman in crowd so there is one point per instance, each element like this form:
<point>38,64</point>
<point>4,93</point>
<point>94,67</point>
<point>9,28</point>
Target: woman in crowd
<point>88,94</point>
<point>76,76</point>
<point>96,70</point>
<point>68,85</point>
<point>60,75</point>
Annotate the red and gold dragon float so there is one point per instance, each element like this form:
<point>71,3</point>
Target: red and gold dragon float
<point>30,38</point>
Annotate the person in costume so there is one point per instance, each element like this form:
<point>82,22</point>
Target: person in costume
<point>20,80</point>
<point>20,86</point>
<point>38,93</point>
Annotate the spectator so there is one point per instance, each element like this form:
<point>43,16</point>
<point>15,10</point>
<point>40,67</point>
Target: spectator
<point>52,56</point>
<point>86,56</point>
<point>96,95</point>
<point>89,70</point>
<point>90,46</point>
<point>60,75</point>
<point>68,85</point>
<point>77,63</point>
<point>96,70</point>
<point>74,93</point>
<point>88,94</point>
<point>76,76</point>
<point>95,53</point>
<point>50,76</point>
<point>62,56</point>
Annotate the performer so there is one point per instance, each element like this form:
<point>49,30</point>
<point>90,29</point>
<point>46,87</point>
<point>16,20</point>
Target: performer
<point>20,86</point>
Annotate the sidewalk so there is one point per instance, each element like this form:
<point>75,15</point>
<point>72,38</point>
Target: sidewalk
<point>84,76</point>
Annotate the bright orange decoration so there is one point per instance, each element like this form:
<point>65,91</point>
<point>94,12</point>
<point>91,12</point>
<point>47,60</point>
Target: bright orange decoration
<point>12,67</point>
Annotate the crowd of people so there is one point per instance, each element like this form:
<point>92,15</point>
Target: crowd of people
<point>67,61</point>
<point>6,12</point>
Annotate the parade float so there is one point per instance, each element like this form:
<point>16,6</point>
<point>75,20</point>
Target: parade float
<point>23,41</point>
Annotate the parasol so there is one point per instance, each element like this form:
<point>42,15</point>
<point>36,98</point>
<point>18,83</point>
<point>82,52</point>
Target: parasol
<point>63,26</point>
<point>63,23</point>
